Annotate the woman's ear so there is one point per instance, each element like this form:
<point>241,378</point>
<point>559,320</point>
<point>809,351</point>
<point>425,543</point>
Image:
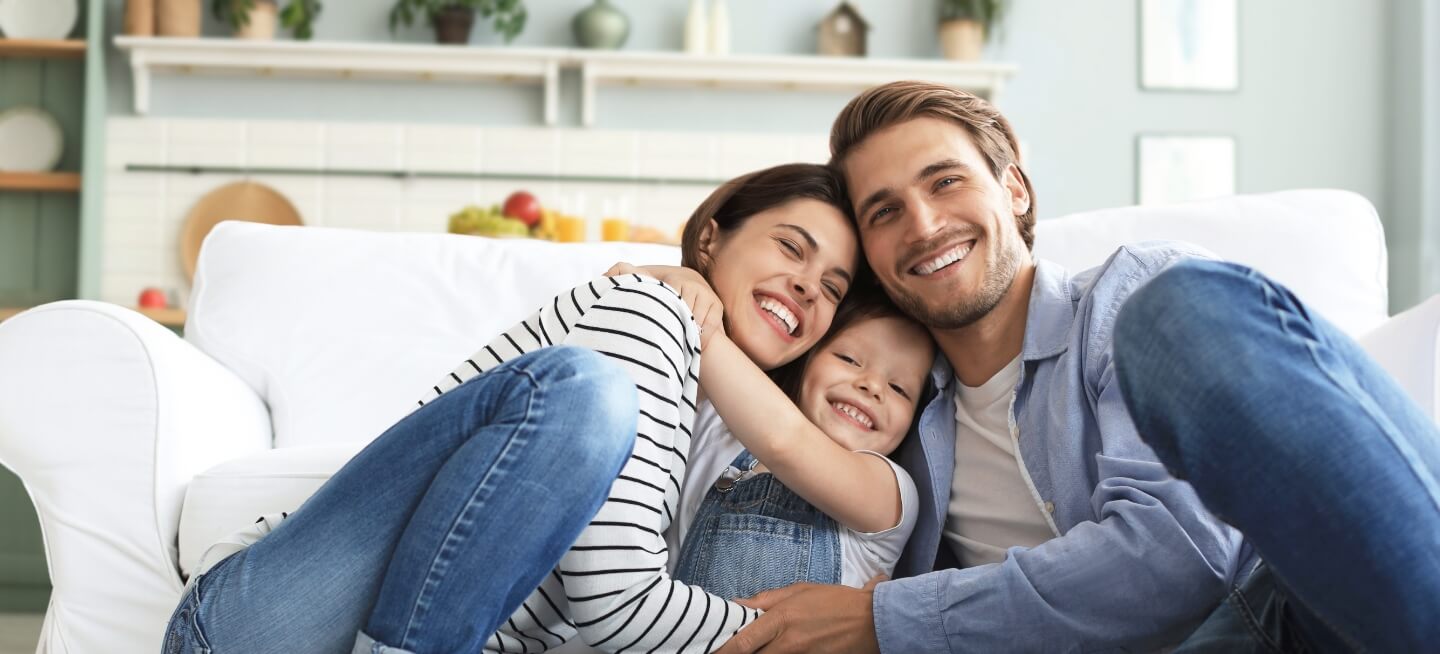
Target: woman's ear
<point>708,243</point>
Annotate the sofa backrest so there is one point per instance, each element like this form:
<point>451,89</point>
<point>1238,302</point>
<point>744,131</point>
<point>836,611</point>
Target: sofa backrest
<point>1327,246</point>
<point>341,331</point>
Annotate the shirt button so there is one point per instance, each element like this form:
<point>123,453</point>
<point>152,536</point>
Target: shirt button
<point>1049,507</point>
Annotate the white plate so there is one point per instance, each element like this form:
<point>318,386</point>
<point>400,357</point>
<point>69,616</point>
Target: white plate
<point>38,19</point>
<point>30,140</point>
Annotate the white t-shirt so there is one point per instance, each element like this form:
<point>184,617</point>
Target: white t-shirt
<point>863,555</point>
<point>993,505</point>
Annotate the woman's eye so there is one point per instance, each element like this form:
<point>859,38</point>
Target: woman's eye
<point>900,391</point>
<point>790,247</point>
<point>834,292</point>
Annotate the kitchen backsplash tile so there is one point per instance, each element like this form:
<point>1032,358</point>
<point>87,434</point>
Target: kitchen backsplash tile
<point>145,211</point>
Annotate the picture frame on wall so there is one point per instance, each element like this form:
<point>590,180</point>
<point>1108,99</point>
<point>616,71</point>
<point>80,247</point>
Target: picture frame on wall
<point>1175,168</point>
<point>1189,45</point>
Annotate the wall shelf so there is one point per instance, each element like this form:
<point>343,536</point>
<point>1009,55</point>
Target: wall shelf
<point>150,56</point>
<point>166,317</point>
<point>42,48</point>
<point>41,182</point>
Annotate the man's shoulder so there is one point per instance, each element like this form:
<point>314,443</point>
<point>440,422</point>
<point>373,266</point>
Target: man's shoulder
<point>1102,290</point>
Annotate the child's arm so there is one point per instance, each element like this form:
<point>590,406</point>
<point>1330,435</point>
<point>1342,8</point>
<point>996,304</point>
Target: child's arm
<point>855,488</point>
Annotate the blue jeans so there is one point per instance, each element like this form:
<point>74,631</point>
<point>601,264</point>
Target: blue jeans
<point>438,530</point>
<point>1289,432</point>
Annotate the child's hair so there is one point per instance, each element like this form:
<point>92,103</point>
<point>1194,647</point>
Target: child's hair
<point>866,300</point>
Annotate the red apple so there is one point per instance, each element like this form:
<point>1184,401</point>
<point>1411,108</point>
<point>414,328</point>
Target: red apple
<point>523,207</point>
<point>152,298</point>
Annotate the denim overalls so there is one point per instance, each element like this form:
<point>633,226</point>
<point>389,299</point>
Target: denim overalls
<point>752,534</point>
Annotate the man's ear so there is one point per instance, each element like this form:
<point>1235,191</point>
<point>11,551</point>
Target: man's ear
<point>1015,187</point>
<point>707,244</point>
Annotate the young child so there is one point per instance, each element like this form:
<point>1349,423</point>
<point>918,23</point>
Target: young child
<point>798,488</point>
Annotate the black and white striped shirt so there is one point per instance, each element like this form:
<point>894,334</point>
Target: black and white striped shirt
<point>612,588</point>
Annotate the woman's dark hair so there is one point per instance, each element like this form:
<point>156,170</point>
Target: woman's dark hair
<point>735,201</point>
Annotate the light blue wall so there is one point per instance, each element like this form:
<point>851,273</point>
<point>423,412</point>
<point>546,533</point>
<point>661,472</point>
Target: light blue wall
<point>1311,110</point>
<point>1413,199</point>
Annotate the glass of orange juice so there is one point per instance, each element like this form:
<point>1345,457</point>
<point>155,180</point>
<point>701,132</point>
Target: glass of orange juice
<point>569,229</point>
<point>615,229</point>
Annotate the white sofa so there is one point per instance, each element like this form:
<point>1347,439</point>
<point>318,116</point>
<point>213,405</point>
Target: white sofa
<point>139,448</point>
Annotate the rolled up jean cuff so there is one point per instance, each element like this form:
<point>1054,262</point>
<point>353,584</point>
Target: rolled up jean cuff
<point>364,644</point>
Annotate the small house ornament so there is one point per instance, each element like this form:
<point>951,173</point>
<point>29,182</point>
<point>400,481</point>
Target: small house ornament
<point>843,32</point>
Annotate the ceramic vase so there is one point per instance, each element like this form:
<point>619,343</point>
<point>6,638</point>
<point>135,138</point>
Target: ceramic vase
<point>140,17</point>
<point>601,26</point>
<point>177,18</point>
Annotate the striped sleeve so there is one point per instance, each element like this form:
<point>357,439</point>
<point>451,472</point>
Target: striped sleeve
<point>612,587</point>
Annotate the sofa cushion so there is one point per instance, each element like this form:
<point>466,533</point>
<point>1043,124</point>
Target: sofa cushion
<point>1408,347</point>
<point>342,330</point>
<point>227,497</point>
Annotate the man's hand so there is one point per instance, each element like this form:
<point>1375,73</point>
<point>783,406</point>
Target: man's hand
<point>809,618</point>
<point>693,289</point>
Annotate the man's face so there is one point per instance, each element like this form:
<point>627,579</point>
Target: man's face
<point>936,225</point>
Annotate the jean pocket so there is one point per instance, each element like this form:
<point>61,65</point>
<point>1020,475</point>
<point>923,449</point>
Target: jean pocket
<point>182,634</point>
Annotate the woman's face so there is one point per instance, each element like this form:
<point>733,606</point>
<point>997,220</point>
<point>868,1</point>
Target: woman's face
<point>780,275</point>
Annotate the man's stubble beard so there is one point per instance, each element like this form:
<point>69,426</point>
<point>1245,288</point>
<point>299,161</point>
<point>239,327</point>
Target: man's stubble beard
<point>961,312</point>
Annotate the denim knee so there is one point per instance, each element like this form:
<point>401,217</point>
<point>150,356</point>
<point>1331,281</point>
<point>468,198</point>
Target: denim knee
<point>1191,299</point>
<point>590,383</point>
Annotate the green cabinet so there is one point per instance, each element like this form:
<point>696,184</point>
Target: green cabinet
<point>49,238</point>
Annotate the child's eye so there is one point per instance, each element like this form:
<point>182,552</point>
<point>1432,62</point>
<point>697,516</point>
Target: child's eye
<point>900,391</point>
<point>847,359</point>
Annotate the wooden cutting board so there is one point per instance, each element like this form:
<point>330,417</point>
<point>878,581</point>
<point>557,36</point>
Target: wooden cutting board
<point>248,201</point>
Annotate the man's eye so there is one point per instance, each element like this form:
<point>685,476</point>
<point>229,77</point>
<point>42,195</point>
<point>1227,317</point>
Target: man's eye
<point>946,182</point>
<point>881,213</point>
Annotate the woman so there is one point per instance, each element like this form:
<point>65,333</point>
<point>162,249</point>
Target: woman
<point>445,533</point>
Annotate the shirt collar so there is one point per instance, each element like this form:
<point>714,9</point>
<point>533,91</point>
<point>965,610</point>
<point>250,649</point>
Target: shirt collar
<point>1047,326</point>
<point>1052,312</point>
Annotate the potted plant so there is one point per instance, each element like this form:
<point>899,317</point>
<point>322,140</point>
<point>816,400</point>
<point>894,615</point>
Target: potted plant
<point>965,25</point>
<point>452,19</point>
<point>255,19</point>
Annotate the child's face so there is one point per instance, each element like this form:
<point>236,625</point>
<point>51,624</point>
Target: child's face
<point>861,388</point>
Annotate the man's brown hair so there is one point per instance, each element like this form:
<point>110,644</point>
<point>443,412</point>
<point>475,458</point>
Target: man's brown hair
<point>880,107</point>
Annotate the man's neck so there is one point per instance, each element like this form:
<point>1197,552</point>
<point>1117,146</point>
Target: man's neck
<point>986,346</point>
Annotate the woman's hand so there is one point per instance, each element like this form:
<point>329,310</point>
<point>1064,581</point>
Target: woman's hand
<point>694,290</point>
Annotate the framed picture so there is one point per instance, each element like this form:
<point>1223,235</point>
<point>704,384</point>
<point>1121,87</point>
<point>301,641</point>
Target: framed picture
<point>1175,168</point>
<point>1189,45</point>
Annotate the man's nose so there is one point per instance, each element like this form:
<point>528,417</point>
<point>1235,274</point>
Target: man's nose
<point>924,220</point>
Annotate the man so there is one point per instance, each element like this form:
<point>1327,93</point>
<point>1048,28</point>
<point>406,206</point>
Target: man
<point>1046,522</point>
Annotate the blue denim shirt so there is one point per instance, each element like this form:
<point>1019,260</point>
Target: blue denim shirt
<point>1139,561</point>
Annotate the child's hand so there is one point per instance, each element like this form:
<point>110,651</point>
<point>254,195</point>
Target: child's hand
<point>693,289</point>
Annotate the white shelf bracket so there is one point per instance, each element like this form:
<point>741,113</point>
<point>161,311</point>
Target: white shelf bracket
<point>552,93</point>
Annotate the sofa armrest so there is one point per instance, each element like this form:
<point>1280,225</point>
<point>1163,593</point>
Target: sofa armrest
<point>1408,347</point>
<point>106,416</point>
